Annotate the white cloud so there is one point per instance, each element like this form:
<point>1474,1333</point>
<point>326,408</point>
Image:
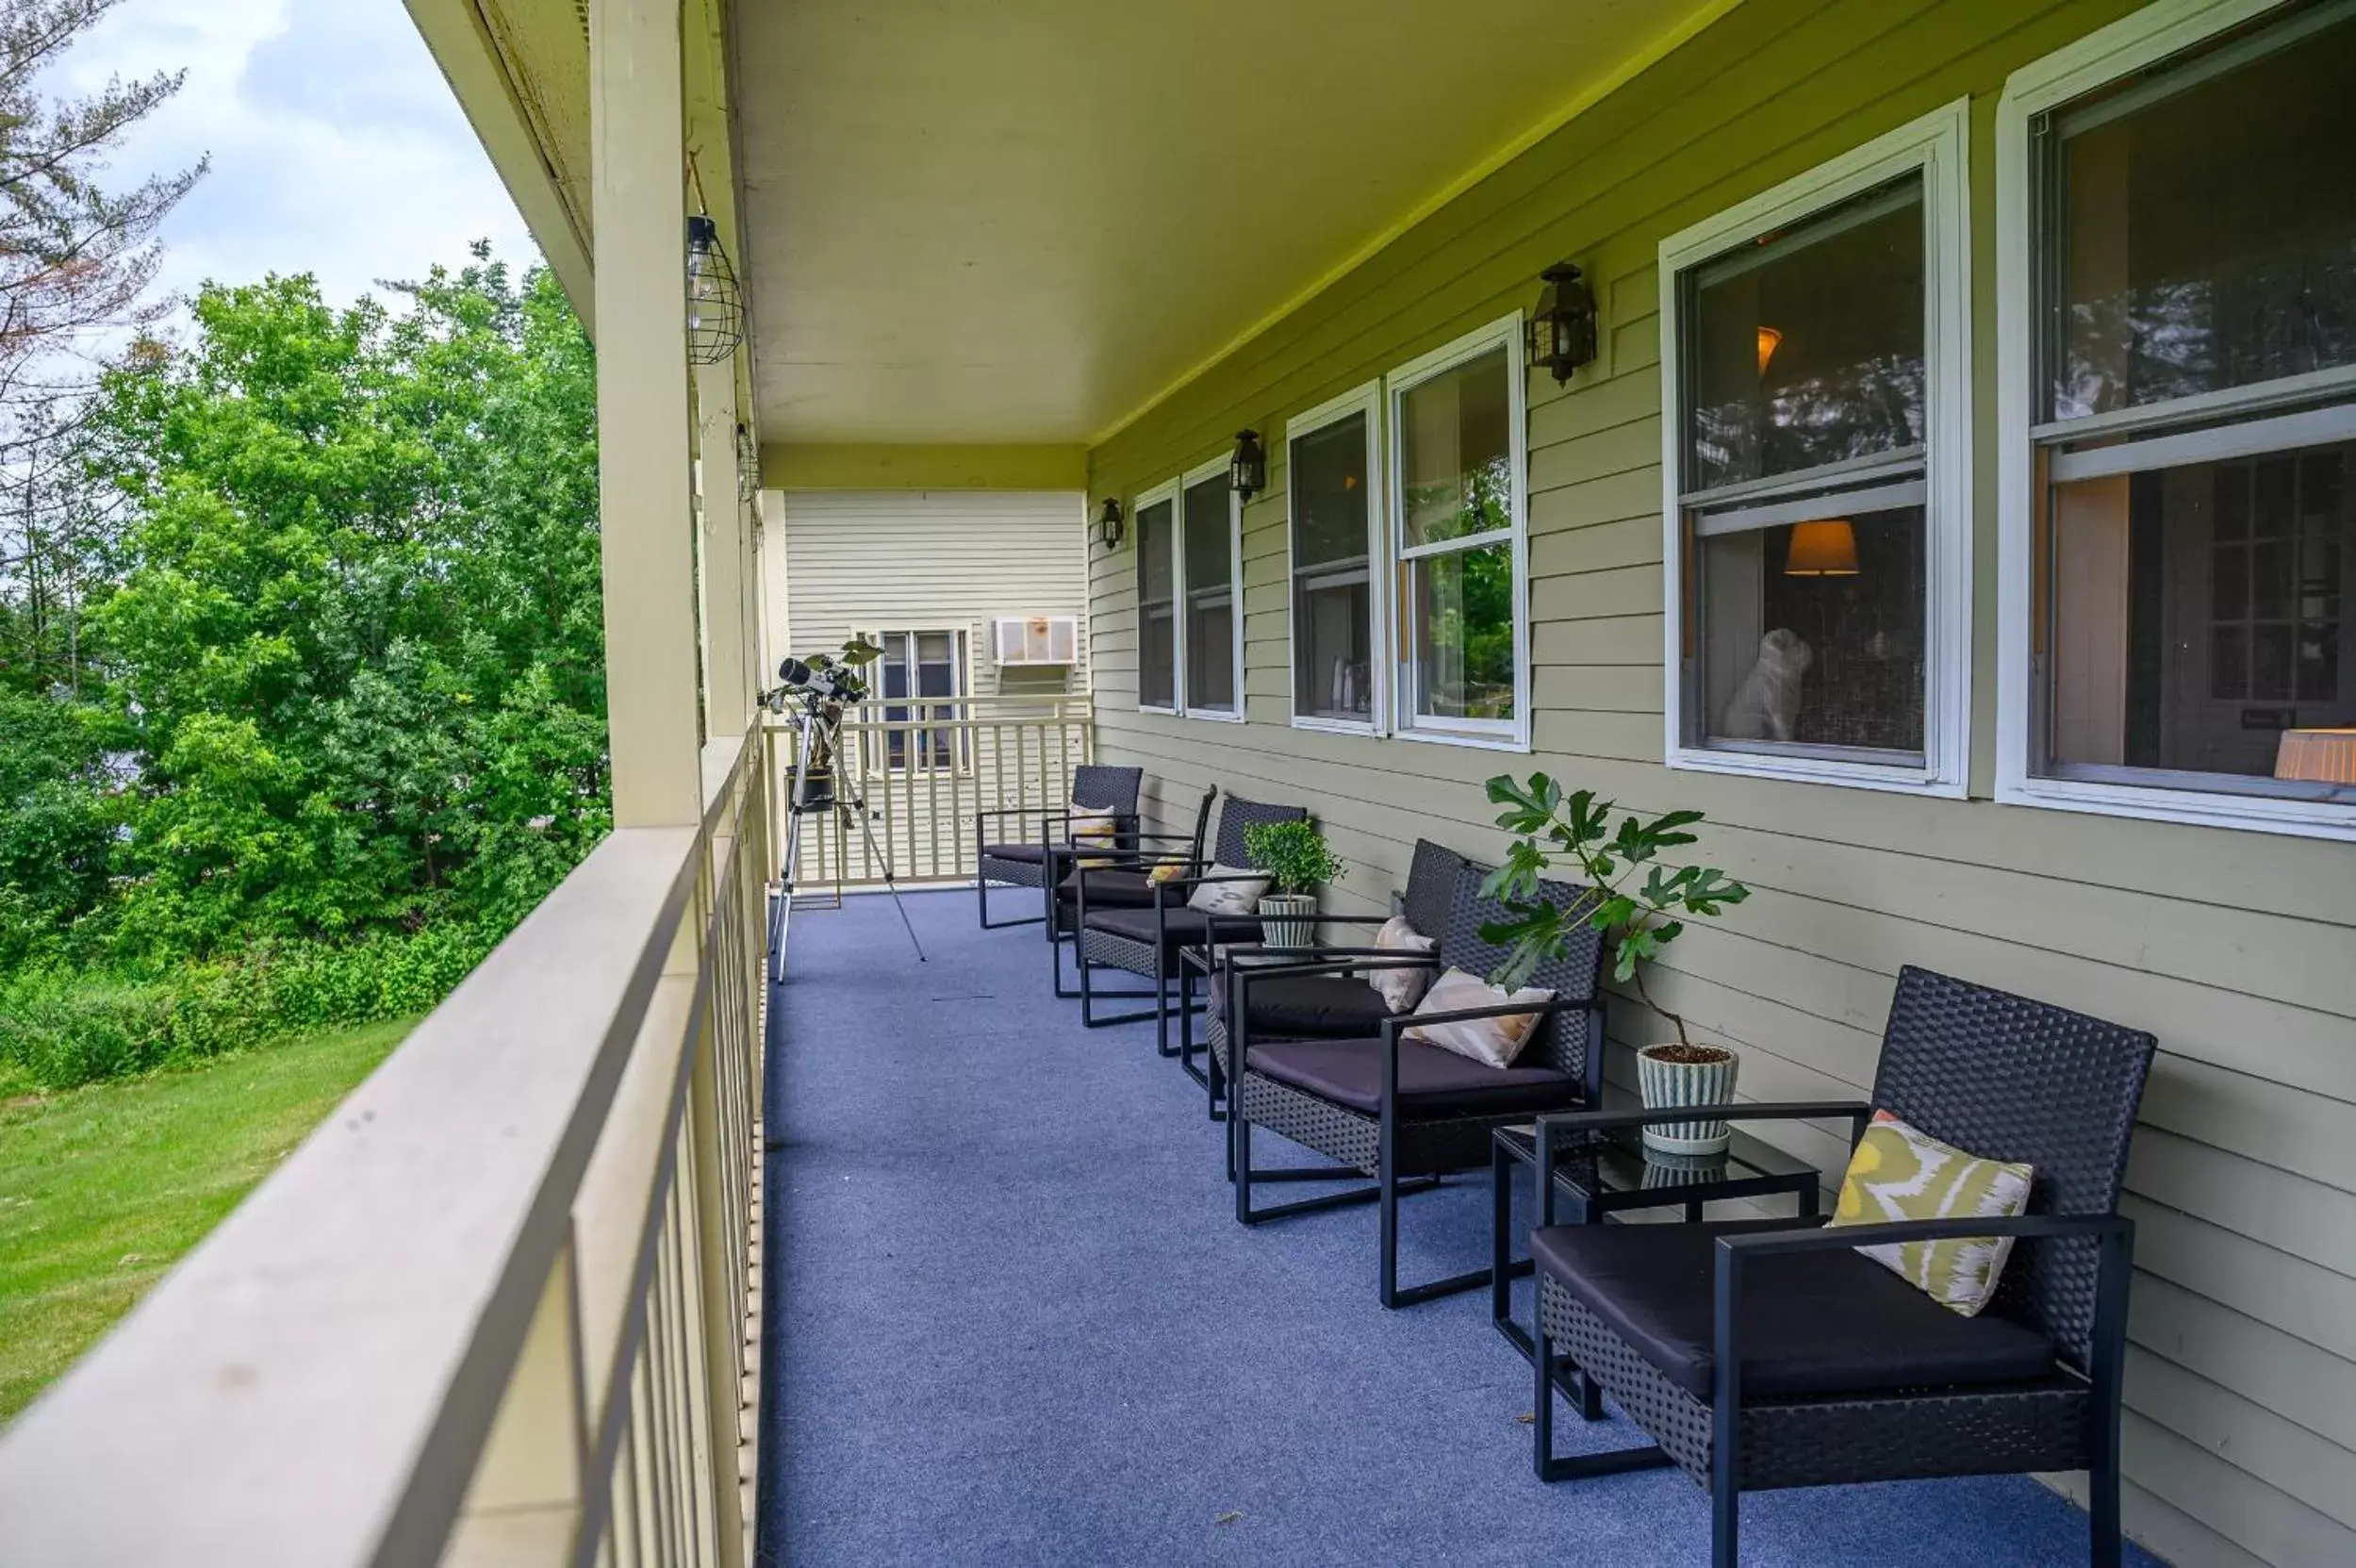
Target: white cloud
<point>336,147</point>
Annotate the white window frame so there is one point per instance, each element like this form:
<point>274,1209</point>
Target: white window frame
<point>1167,490</point>
<point>1174,491</point>
<point>1936,145</point>
<point>1363,400</point>
<point>1207,468</point>
<point>1405,722</point>
<point>960,763</point>
<point>2092,62</point>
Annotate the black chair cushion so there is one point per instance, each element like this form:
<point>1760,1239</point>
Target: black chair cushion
<point>1030,854</point>
<point>1431,1081</point>
<point>1114,889</point>
<point>1815,1323</point>
<point>1306,1006</point>
<point>1181,926</point>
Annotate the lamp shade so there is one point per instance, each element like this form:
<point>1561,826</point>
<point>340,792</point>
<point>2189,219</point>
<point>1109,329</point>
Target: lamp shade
<point>2323,756</point>
<point>1769,340</point>
<point>1826,548</point>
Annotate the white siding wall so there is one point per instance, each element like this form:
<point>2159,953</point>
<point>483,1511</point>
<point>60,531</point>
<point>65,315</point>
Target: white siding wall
<point>924,561</point>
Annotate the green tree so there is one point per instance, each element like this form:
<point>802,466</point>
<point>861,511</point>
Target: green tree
<point>352,678</point>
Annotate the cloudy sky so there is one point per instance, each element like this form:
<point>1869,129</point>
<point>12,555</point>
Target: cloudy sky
<point>337,148</point>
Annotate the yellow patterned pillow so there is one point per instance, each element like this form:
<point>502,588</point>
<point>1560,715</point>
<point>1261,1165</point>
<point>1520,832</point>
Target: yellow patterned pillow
<point>1900,1173</point>
<point>1169,871</point>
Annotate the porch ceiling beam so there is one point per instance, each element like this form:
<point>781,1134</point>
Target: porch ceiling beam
<point>883,465</point>
<point>461,44</point>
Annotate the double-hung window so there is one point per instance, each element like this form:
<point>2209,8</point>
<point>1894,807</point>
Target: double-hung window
<point>1157,598</point>
<point>914,666</point>
<point>1190,656</point>
<point>1458,541</point>
<point>1815,456</point>
<point>2179,393</point>
<point>1332,457</point>
<point>1210,565</point>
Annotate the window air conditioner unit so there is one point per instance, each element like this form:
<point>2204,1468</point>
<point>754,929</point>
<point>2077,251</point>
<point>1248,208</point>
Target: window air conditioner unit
<point>1040,639</point>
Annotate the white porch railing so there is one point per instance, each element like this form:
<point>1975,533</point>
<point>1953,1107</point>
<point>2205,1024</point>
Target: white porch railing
<point>500,1308</point>
<point>923,768</point>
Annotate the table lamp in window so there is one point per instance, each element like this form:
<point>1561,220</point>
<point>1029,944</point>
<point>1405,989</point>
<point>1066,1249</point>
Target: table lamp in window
<point>2319,756</point>
<point>1827,548</point>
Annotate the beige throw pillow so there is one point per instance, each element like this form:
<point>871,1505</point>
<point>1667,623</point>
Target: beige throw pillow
<point>1494,1041</point>
<point>1092,827</point>
<point>1401,989</point>
<point>1229,898</point>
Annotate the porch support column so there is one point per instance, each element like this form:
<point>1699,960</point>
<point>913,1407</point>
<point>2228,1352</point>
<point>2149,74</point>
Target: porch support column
<point>749,584</point>
<point>775,566</point>
<point>725,656</point>
<point>645,472</point>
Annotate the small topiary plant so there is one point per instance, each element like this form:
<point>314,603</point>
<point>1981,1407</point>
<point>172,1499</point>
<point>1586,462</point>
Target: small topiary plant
<point>1295,854</point>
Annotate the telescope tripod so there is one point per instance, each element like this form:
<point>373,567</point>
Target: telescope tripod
<point>817,738</point>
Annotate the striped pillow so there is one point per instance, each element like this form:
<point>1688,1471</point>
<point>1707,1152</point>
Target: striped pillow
<point>1900,1172</point>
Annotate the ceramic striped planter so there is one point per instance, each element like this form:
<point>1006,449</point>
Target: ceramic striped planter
<point>1666,1085</point>
<point>1285,919</point>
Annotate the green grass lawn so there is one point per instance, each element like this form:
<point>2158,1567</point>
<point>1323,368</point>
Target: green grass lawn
<point>102,1189</point>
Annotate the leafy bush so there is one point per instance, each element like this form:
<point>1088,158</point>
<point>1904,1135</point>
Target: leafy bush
<point>60,1027</point>
<point>1295,855</point>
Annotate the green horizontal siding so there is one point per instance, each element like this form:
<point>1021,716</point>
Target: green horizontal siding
<point>2234,948</point>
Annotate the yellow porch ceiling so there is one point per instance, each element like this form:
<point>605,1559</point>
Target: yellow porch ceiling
<point>1023,221</point>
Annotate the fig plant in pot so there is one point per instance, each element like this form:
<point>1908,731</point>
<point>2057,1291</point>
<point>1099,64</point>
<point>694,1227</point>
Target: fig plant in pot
<point>1639,906</point>
<point>1298,863</point>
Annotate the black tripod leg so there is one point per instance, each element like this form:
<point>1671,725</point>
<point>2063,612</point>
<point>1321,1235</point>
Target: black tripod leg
<point>876,852</point>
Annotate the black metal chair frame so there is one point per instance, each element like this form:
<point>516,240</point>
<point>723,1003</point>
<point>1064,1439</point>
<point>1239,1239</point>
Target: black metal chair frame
<point>1098,949</point>
<point>1407,1154</point>
<point>2077,1295</point>
<point>1063,918</point>
<point>1096,787</point>
<point>1431,860</point>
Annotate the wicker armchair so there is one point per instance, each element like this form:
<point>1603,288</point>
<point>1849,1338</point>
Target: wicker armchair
<point>1407,1113</point>
<point>1147,940</point>
<point>1767,1357</point>
<point>1329,1003</point>
<point>1124,881</point>
<point>1020,863</point>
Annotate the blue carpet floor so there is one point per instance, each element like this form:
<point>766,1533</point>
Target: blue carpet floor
<point>1012,1320</point>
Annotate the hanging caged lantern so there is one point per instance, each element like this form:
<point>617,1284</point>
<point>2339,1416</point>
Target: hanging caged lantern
<point>716,306</point>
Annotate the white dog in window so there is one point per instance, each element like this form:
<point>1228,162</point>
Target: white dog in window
<point>1767,706</point>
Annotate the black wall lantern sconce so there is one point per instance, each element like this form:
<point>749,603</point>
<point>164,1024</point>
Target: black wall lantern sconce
<point>1562,330</point>
<point>1108,523</point>
<point>1247,470</point>
<point>716,306</point>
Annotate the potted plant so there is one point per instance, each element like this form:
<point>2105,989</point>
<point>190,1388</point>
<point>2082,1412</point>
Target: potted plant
<point>1639,915</point>
<point>1298,863</point>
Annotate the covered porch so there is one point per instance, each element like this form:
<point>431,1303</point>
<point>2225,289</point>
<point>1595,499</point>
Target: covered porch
<point>644,1251</point>
<point>1016,1321</point>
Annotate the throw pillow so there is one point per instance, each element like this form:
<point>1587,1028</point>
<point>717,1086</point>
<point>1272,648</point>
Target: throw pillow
<point>1168,870</point>
<point>1401,989</point>
<point>1494,1041</point>
<point>1900,1172</point>
<point>1229,898</point>
<point>1091,827</point>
